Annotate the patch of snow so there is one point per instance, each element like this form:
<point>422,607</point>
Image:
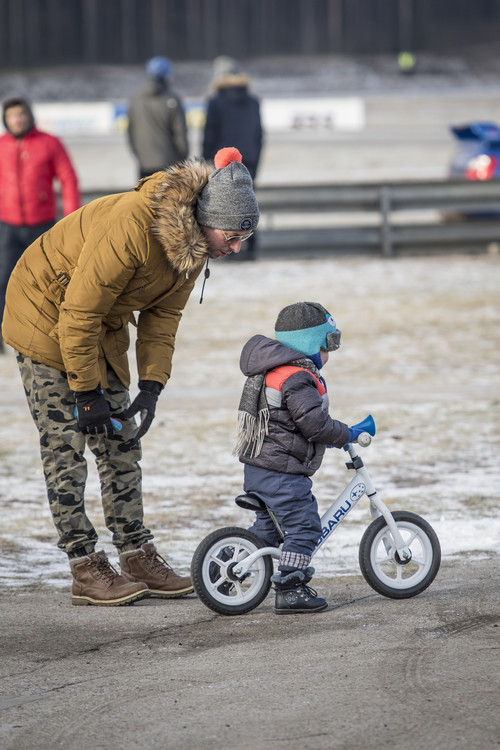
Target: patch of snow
<point>420,351</point>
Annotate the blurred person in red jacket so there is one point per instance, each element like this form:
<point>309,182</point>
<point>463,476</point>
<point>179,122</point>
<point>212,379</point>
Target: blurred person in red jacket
<point>30,160</point>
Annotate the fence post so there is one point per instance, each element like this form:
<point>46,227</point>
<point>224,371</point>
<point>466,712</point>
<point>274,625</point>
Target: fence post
<point>385,226</point>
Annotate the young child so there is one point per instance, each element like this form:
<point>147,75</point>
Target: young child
<point>283,430</point>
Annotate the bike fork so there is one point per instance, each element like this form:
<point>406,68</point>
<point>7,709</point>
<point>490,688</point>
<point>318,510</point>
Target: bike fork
<point>379,508</point>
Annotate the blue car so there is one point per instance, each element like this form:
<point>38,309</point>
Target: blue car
<point>477,156</point>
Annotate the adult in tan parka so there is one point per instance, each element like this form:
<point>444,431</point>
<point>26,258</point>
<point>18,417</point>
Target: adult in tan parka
<point>69,302</point>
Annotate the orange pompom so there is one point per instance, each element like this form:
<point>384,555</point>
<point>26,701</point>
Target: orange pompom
<point>225,156</point>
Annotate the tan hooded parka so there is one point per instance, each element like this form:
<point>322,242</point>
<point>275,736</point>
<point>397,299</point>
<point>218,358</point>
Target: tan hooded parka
<point>75,289</point>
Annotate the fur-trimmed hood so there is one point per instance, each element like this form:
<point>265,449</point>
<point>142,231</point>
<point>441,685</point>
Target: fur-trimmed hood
<point>231,81</point>
<point>173,195</point>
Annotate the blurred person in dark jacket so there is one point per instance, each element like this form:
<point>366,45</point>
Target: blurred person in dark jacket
<point>157,130</point>
<point>233,116</point>
<point>30,161</point>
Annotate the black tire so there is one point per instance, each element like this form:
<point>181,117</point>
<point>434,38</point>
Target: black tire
<point>378,558</point>
<point>211,572</point>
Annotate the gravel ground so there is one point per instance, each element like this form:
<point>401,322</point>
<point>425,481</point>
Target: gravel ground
<point>369,672</point>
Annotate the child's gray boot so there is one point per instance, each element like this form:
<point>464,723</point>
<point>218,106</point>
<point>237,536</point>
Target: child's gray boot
<point>294,596</point>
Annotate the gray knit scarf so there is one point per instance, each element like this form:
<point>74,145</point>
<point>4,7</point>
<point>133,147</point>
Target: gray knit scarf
<point>253,411</point>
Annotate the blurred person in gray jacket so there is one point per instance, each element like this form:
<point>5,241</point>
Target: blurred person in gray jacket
<point>157,131</point>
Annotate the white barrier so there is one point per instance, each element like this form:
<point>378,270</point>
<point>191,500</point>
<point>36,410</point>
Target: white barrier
<point>278,115</point>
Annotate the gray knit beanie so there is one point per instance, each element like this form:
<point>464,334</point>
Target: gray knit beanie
<point>225,66</point>
<point>228,200</point>
<point>307,327</point>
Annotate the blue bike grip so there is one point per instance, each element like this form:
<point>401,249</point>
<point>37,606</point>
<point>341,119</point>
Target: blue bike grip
<point>366,425</point>
<point>117,426</point>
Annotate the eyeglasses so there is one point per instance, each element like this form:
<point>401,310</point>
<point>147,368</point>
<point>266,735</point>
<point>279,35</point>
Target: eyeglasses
<point>233,237</point>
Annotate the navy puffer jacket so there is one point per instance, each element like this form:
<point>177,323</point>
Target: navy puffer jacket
<point>233,118</point>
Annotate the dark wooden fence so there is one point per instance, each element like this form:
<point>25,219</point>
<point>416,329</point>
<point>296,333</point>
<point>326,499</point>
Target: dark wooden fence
<point>51,32</point>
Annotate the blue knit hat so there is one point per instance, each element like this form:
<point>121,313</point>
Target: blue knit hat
<point>307,327</point>
<point>159,67</point>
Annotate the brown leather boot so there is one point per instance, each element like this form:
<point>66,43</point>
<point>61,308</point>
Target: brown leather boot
<point>95,581</point>
<point>146,565</point>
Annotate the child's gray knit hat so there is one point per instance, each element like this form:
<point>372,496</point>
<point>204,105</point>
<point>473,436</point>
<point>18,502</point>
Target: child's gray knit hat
<point>228,200</point>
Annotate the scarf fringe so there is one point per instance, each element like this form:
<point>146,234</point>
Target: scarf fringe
<point>251,433</point>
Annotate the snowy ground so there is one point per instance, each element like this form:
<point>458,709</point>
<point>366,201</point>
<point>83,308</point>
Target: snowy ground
<point>420,351</point>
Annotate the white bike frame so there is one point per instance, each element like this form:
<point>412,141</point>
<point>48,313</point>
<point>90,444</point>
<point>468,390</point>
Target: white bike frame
<point>361,484</point>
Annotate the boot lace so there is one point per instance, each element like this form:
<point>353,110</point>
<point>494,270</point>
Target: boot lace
<point>309,591</point>
<point>103,569</point>
<point>155,563</point>
<point>301,588</point>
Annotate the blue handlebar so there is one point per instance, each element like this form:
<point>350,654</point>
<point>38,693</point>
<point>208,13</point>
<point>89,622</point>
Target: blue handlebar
<point>366,425</point>
<point>117,426</point>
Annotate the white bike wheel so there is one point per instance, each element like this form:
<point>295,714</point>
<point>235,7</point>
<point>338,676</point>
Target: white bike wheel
<point>213,580</point>
<point>380,564</point>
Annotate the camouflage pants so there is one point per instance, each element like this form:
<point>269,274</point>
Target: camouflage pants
<point>62,448</point>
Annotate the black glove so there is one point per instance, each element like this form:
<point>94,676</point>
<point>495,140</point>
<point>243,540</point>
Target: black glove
<point>92,413</point>
<point>145,403</point>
